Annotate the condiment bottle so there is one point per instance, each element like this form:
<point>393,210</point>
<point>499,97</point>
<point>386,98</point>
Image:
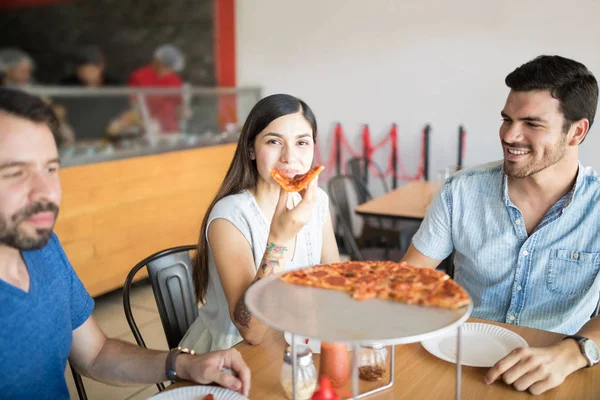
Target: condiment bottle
<point>372,362</point>
<point>306,373</point>
<point>334,363</point>
<point>325,391</point>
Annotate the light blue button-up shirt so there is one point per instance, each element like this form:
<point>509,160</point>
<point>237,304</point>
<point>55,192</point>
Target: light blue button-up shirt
<point>548,280</point>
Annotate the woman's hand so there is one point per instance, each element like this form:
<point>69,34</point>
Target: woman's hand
<point>286,224</point>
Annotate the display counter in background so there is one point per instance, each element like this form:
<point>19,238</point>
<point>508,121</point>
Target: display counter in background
<point>131,184</point>
<point>95,151</point>
<point>116,213</point>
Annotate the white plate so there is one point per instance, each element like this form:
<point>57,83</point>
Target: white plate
<point>482,344</point>
<point>198,393</point>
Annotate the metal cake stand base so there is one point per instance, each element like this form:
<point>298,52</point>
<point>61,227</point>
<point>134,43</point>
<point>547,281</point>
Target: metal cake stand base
<point>355,378</point>
<point>332,316</point>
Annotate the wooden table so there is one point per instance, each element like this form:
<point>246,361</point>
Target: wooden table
<point>407,202</point>
<point>420,375</point>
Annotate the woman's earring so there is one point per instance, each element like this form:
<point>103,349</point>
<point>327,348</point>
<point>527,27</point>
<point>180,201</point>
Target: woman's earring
<point>252,155</point>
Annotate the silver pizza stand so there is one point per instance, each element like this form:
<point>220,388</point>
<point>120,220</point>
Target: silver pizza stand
<point>333,316</point>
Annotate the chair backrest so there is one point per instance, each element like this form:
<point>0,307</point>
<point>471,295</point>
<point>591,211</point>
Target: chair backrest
<point>170,273</point>
<point>337,186</point>
<point>357,167</point>
<point>78,383</point>
<point>339,196</point>
<point>338,193</point>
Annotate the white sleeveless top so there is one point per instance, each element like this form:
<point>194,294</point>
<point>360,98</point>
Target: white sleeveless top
<point>213,329</point>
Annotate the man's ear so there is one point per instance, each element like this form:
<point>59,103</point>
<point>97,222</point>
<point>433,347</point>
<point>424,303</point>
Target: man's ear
<point>578,131</point>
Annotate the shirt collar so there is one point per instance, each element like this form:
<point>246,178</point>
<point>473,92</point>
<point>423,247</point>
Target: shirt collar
<point>577,185</point>
<point>564,202</point>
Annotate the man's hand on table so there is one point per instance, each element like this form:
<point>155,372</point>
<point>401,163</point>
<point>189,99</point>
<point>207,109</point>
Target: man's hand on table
<point>208,368</point>
<point>538,369</point>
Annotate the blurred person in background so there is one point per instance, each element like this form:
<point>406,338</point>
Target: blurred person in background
<point>16,72</point>
<point>162,72</point>
<point>16,68</point>
<point>89,69</point>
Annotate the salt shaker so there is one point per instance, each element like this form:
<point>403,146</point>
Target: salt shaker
<point>372,362</point>
<point>306,373</point>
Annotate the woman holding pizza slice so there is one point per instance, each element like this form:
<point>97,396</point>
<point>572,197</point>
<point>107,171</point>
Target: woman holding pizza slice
<point>253,228</point>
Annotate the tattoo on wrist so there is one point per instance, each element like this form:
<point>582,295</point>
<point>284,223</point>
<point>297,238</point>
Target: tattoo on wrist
<point>241,314</point>
<point>275,250</point>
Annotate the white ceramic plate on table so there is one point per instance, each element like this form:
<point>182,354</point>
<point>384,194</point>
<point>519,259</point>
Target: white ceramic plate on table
<point>198,393</point>
<point>482,345</point>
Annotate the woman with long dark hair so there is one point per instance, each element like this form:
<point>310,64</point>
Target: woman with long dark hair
<point>253,229</point>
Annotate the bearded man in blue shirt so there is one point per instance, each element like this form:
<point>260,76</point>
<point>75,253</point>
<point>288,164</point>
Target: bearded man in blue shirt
<point>526,230</point>
<point>45,312</point>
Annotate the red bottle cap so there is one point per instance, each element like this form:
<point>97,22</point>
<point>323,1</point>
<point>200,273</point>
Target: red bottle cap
<point>325,391</point>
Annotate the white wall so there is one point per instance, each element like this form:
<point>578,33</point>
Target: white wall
<point>411,62</point>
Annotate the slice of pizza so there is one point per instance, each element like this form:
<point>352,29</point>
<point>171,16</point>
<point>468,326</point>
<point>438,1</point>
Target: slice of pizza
<point>448,295</point>
<point>320,276</point>
<point>298,182</point>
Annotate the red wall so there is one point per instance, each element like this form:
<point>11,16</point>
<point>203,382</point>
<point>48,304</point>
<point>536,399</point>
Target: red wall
<point>225,61</point>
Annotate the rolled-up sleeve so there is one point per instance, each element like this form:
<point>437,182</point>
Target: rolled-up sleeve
<point>434,238</point>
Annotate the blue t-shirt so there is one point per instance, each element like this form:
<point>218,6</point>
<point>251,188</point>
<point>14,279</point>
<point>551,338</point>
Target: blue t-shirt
<point>37,327</point>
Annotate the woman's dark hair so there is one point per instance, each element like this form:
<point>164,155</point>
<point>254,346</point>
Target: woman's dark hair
<point>29,107</point>
<point>568,81</point>
<point>242,173</point>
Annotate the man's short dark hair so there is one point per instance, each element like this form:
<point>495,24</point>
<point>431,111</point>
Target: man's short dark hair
<point>568,81</point>
<point>27,106</point>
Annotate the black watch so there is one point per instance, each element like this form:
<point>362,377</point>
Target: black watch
<point>171,373</point>
<point>588,349</point>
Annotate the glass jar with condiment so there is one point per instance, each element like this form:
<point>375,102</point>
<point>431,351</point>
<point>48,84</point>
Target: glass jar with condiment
<point>372,362</point>
<point>306,373</point>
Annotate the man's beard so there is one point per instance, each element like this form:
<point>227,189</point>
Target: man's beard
<point>12,236</point>
<point>532,168</point>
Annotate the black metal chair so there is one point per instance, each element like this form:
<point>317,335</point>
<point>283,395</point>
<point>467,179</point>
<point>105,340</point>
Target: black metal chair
<point>339,199</point>
<point>374,233</point>
<point>170,274</point>
<point>357,168</point>
<point>78,383</point>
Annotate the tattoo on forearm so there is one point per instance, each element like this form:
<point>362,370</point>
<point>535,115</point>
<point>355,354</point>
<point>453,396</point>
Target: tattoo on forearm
<point>275,251</point>
<point>273,254</point>
<point>268,266</point>
<point>241,314</point>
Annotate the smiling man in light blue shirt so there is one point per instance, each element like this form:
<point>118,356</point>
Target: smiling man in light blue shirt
<point>526,230</point>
